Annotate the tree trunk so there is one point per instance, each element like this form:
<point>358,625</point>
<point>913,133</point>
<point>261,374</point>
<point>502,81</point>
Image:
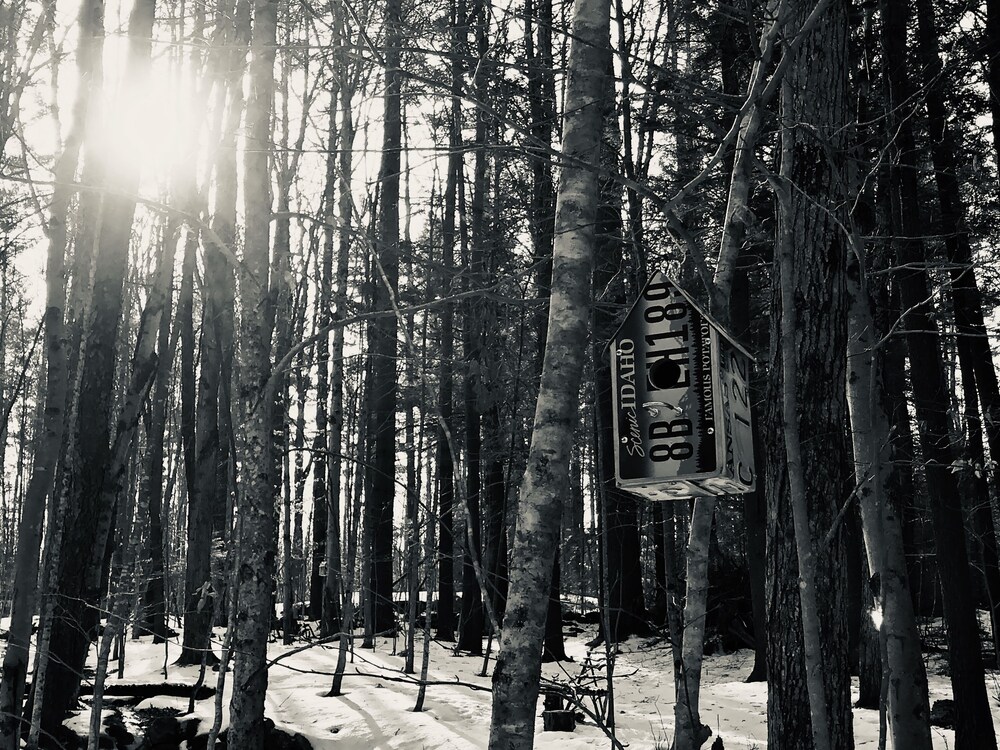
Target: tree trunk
<point>754,505</point>
<point>690,733</point>
<point>627,609</point>
<point>495,556</point>
<point>659,531</point>
<point>153,615</point>
<point>515,680</point>
<point>352,528</point>
<point>974,724</point>
<point>385,273</point>
<point>541,223</point>
<point>977,493</point>
<point>972,342</point>
<point>335,561</point>
<point>809,699</point>
<point>49,434</point>
<point>908,708</point>
<point>185,325</point>
<point>478,378</point>
<point>322,499</point>
<point>200,595</point>
<point>223,291</point>
<point>257,524</point>
<point>81,557</point>
<point>295,561</point>
<point>281,314</point>
<point>869,660</point>
<point>445,630</point>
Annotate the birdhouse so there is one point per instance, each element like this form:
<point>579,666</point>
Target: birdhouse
<point>680,387</point>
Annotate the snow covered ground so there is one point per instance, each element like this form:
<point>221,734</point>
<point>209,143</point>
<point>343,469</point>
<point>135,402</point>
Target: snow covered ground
<point>375,711</point>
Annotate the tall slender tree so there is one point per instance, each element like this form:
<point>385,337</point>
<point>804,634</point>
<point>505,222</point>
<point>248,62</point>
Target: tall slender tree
<point>445,464</point>
<point>336,558</point>
<point>257,522</point>
<point>515,680</point>
<point>477,378</point>
<point>974,726</point>
<point>79,581</point>
<point>385,278</point>
<point>324,300</point>
<point>904,675</point>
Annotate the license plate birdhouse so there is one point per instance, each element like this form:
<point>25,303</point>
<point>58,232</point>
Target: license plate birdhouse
<point>682,424</point>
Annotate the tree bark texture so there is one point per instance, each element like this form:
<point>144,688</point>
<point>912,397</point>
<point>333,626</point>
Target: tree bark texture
<point>515,680</point>
<point>78,584</point>
<point>382,343</point>
<point>257,519</point>
<point>809,698</point>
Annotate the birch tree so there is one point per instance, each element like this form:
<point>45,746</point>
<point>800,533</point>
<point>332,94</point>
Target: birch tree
<point>904,678</point>
<point>515,680</point>
<point>257,521</point>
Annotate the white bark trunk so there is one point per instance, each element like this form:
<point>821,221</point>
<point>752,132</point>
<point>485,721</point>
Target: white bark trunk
<point>904,676</point>
<point>257,521</point>
<point>689,732</point>
<point>515,681</point>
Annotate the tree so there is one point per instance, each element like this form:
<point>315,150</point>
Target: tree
<point>930,396</point>
<point>445,464</point>
<point>975,357</point>
<point>382,333</point>
<point>515,680</point>
<point>903,676</point>
<point>320,496</point>
<point>626,609</point>
<point>79,581</point>
<point>49,437</point>
<point>809,698</point>
<point>476,376</point>
<point>257,523</point>
<point>334,555</point>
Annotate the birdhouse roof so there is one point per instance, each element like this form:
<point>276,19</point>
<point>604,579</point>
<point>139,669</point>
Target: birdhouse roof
<point>660,277</point>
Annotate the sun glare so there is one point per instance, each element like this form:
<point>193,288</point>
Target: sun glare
<point>154,126</point>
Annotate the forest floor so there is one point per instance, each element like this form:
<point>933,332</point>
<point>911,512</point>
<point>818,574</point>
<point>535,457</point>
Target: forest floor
<point>375,711</point>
